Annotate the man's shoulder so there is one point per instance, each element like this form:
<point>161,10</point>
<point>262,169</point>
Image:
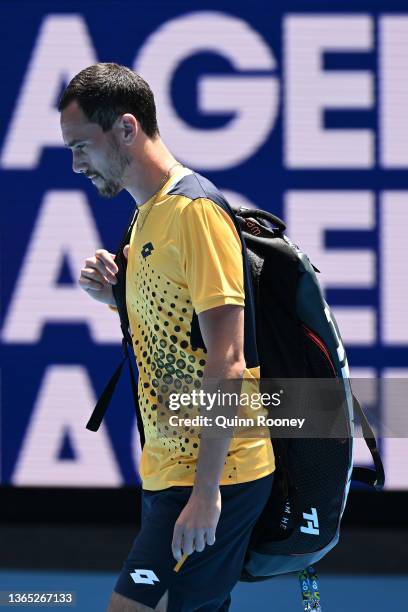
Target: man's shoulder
<point>194,186</point>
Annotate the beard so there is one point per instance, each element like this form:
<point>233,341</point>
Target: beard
<point>109,187</point>
<point>113,184</point>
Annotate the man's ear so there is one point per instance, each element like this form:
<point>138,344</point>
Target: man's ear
<point>126,250</point>
<point>129,128</point>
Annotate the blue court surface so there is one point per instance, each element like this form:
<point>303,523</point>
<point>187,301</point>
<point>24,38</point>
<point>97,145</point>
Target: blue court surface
<point>339,594</point>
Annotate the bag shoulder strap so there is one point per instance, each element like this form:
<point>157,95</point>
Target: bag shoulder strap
<point>119,292</point>
<point>368,476</point>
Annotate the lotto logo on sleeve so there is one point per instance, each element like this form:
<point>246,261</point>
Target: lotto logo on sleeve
<point>144,576</point>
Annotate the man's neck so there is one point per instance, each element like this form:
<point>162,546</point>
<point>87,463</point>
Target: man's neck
<point>149,170</point>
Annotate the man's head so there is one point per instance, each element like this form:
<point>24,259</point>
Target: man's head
<point>104,110</point>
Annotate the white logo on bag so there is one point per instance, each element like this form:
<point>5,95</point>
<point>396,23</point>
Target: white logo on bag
<point>312,523</point>
<point>144,576</point>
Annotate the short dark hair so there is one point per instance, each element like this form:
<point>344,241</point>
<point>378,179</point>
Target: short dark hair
<point>105,91</point>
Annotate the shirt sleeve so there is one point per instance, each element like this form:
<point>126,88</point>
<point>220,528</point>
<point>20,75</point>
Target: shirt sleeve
<point>211,256</point>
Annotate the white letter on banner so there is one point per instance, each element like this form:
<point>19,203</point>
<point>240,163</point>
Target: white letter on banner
<point>64,229</point>
<point>309,214</point>
<point>394,91</point>
<point>309,91</point>
<point>62,409</point>
<point>62,49</point>
<point>394,285</point>
<point>253,100</point>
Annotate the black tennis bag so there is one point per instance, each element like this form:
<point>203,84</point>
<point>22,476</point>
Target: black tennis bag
<point>298,337</point>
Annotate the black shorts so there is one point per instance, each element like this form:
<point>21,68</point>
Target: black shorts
<point>206,578</point>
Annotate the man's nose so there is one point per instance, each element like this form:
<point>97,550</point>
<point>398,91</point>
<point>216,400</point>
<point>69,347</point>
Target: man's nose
<point>78,164</point>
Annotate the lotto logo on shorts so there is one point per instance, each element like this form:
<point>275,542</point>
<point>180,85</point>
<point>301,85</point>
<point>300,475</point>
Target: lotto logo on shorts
<point>144,576</point>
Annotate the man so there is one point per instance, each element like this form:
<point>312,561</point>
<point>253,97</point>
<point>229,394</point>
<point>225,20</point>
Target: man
<point>185,277</point>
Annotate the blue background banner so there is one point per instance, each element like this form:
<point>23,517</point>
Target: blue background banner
<point>293,107</point>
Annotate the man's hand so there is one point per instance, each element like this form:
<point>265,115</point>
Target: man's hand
<point>196,525</point>
<point>99,275</point>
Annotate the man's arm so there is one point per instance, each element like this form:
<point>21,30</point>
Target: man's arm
<point>222,329</point>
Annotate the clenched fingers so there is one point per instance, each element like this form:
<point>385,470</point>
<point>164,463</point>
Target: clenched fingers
<point>104,262</point>
<point>99,270</point>
<point>108,261</point>
<point>91,279</point>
